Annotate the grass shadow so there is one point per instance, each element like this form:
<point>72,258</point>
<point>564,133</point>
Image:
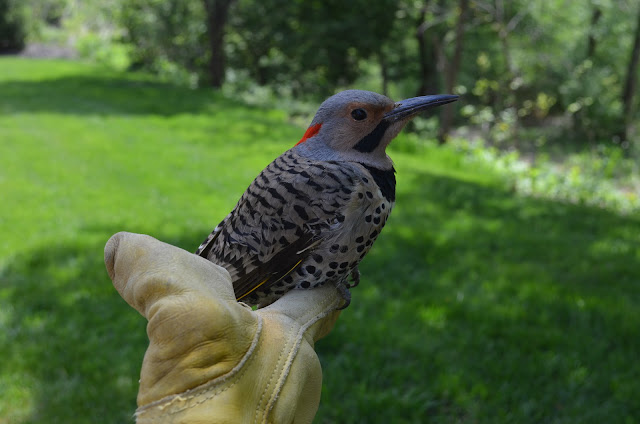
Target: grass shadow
<point>480,306</point>
<point>81,344</point>
<point>105,95</point>
<point>475,306</point>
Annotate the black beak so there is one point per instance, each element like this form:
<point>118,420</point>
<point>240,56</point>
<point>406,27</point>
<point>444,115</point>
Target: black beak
<point>410,107</point>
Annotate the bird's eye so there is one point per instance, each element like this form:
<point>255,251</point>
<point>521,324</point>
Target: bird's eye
<point>359,114</point>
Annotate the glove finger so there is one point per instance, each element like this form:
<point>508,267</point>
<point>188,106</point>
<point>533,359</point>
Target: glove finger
<point>197,330</point>
<point>130,256</point>
<point>315,310</point>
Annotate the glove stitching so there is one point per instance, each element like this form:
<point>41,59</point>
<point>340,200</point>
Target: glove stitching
<point>169,405</point>
<point>268,404</point>
<point>293,352</point>
<point>165,406</point>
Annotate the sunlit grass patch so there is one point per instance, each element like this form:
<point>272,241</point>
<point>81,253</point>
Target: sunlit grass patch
<point>479,303</point>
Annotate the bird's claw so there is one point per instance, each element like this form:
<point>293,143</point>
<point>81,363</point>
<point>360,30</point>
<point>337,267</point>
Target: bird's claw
<point>355,278</point>
<point>343,289</point>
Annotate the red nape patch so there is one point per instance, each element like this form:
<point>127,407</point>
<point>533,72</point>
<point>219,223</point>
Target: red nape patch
<point>310,132</point>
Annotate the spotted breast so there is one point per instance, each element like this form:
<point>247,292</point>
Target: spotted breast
<point>301,224</point>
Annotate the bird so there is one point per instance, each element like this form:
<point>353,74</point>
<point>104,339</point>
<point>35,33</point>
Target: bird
<point>312,214</point>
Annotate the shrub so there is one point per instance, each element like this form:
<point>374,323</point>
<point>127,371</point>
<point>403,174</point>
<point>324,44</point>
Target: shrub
<point>12,32</point>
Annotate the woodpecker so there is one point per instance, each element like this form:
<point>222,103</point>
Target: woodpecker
<point>313,213</point>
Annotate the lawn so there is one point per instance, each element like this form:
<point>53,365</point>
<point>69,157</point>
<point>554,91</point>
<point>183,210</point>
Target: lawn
<point>477,304</point>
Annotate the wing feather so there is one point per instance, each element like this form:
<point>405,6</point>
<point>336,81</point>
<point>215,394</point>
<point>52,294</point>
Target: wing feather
<point>281,218</point>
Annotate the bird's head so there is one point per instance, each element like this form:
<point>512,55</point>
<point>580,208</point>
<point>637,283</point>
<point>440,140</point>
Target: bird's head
<point>356,125</point>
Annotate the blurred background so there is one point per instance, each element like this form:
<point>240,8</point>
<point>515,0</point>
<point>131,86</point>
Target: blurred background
<point>506,287</point>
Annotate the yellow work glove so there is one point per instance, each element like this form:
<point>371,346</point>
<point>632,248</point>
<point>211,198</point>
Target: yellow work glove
<point>211,359</point>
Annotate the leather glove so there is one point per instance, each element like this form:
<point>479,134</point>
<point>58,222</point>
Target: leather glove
<point>211,359</point>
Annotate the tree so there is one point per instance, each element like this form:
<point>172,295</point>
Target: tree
<point>217,13</point>
<point>596,14</point>
<point>427,50</point>
<point>451,68</point>
<point>308,46</point>
<point>629,90</point>
<point>12,34</point>
<point>167,37</point>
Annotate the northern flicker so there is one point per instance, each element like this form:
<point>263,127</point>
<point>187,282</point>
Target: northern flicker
<point>313,213</point>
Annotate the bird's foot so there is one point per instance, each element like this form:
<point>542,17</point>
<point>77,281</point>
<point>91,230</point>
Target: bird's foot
<point>355,277</point>
<point>343,289</point>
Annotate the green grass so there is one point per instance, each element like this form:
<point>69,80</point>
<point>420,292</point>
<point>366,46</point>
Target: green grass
<point>477,305</point>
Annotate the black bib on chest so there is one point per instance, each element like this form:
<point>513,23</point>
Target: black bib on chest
<point>386,181</point>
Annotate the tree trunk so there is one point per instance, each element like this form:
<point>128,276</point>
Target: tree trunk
<point>596,14</point>
<point>427,57</point>
<point>217,12</point>
<point>630,82</point>
<point>504,95</point>
<point>384,74</point>
<point>451,74</point>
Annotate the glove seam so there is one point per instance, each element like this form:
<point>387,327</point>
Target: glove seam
<point>166,406</point>
<point>276,371</point>
<point>293,352</point>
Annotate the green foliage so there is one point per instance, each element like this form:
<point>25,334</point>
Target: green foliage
<point>109,53</point>
<point>592,97</point>
<point>481,302</point>
<point>602,178</point>
<point>167,37</point>
<point>524,63</point>
<point>552,73</point>
<point>12,31</point>
<point>308,46</point>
